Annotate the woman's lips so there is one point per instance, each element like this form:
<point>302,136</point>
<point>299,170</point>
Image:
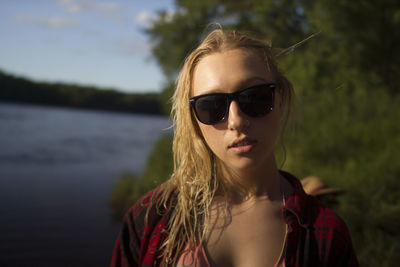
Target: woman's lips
<point>241,146</point>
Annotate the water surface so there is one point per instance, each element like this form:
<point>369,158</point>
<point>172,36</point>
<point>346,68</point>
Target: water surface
<point>57,169</point>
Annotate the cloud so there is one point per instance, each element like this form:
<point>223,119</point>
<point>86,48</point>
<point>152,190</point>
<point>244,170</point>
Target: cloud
<point>132,45</point>
<point>144,18</point>
<point>70,5</point>
<point>51,22</point>
<point>169,15</point>
<point>108,8</point>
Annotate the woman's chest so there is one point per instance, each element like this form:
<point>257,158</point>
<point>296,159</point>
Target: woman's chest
<point>254,237</point>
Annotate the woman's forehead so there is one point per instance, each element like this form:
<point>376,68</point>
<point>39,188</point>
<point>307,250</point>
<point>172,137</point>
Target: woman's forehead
<point>229,71</point>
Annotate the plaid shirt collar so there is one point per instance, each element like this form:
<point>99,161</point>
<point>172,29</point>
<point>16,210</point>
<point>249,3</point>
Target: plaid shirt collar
<point>296,203</point>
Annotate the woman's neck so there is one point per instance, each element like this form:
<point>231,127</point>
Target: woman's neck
<point>253,183</point>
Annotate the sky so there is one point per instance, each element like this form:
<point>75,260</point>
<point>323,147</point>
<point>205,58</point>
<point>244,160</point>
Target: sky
<point>87,42</point>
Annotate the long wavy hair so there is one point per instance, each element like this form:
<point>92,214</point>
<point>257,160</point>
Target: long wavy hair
<point>188,194</point>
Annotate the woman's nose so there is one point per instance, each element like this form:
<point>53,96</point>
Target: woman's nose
<point>237,120</point>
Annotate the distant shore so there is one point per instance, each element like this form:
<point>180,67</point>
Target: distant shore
<point>22,90</point>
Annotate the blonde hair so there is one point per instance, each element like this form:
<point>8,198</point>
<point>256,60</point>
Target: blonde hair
<point>193,183</point>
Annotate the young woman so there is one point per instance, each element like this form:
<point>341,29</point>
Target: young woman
<point>227,204</point>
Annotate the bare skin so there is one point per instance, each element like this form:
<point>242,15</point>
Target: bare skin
<point>251,234</point>
<point>247,229</point>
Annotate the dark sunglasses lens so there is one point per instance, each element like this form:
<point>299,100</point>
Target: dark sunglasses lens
<point>257,101</point>
<point>211,109</point>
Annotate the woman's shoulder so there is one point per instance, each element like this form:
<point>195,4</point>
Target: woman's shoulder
<point>142,230</point>
<point>308,208</point>
<point>145,201</point>
<point>328,221</point>
<point>149,208</point>
<point>331,233</point>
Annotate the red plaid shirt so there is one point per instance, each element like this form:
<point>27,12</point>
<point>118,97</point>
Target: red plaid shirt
<point>316,235</point>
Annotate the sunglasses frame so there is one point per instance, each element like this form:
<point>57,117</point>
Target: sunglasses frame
<point>230,97</point>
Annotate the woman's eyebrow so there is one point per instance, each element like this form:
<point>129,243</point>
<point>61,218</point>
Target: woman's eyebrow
<point>251,82</point>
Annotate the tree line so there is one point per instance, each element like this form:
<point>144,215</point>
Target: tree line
<point>22,90</point>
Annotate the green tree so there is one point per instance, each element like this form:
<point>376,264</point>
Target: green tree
<point>16,89</point>
<point>175,35</point>
<point>356,38</point>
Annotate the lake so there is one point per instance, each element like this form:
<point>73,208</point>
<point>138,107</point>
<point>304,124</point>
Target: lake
<point>57,170</point>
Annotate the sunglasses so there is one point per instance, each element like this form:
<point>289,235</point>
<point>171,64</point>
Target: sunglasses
<point>255,101</point>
